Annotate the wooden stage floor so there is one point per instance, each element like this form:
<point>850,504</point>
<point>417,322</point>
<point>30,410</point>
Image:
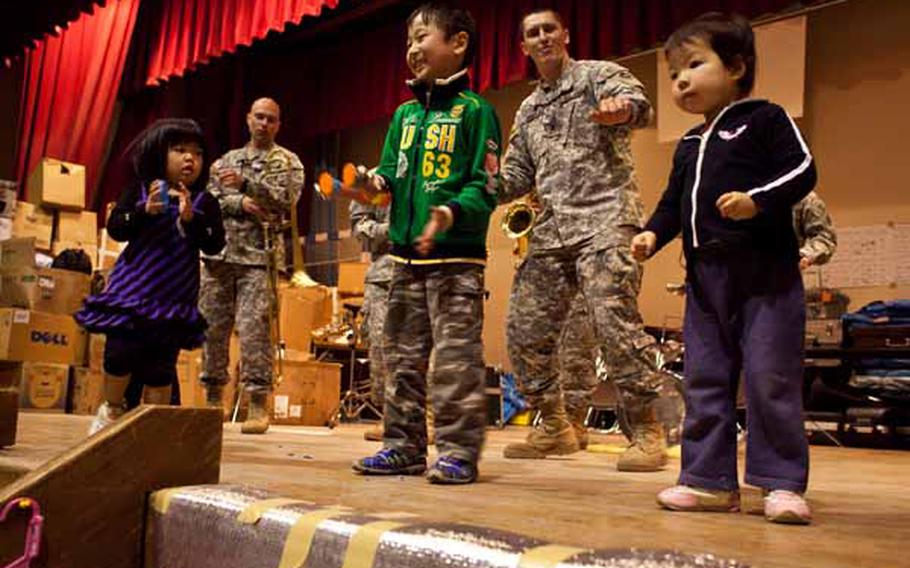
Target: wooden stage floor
<point>860,497</point>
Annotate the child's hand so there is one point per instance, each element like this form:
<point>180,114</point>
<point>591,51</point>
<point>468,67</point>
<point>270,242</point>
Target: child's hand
<point>613,111</point>
<point>153,204</point>
<point>185,202</point>
<point>736,205</point>
<point>367,180</point>
<point>643,245</point>
<point>439,222</point>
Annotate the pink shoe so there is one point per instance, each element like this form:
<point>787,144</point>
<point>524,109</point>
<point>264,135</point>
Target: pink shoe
<point>787,507</point>
<point>686,498</point>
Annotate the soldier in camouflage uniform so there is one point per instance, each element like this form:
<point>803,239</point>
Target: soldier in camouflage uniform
<point>370,224</point>
<point>571,141</point>
<point>576,356</point>
<point>814,231</point>
<point>254,184</point>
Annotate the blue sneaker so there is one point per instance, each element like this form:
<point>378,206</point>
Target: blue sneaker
<point>449,470</point>
<point>390,462</point>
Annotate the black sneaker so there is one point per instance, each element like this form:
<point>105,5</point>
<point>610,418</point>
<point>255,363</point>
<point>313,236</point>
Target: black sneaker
<point>390,462</point>
<point>450,470</point>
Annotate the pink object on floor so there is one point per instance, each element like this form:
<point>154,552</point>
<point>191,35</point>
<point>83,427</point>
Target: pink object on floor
<point>32,533</point>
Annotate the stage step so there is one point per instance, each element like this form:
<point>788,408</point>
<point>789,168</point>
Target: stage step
<point>93,496</point>
<point>219,526</point>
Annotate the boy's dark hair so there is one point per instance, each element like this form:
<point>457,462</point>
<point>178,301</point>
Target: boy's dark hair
<point>451,21</point>
<point>730,36</point>
<point>148,151</point>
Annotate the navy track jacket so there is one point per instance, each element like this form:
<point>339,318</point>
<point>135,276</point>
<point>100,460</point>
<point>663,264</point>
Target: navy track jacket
<point>752,146</point>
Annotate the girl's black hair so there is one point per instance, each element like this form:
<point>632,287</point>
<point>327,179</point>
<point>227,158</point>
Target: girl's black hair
<point>148,151</point>
<point>730,37</point>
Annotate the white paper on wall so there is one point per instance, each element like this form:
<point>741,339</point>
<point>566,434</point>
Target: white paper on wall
<point>871,255</point>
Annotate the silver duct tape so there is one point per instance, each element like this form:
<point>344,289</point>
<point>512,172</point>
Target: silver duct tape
<point>242,527</point>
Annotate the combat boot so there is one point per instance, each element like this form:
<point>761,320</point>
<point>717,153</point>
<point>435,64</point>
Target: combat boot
<point>257,419</point>
<point>577,418</point>
<point>554,436</point>
<point>648,451</point>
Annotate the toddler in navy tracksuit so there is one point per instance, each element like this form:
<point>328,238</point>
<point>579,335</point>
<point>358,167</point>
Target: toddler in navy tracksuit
<point>734,182</point>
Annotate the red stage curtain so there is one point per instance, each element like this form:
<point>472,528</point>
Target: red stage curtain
<point>69,90</point>
<point>194,32</point>
<point>348,80</point>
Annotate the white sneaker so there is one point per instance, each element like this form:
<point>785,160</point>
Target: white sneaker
<point>105,416</point>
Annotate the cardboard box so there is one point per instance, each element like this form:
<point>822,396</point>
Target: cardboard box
<point>33,221</point>
<point>6,228</point>
<point>17,252</point>
<point>51,290</point>
<point>9,408</point>
<point>77,226</point>
<point>108,251</point>
<point>351,276</point>
<point>8,191</point>
<point>41,337</point>
<point>96,342</point>
<point>86,390</point>
<point>42,386</point>
<point>308,394</point>
<point>191,392</point>
<point>57,184</point>
<point>91,250</point>
<point>301,311</point>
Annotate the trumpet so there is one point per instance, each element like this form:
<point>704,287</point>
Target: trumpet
<point>518,220</point>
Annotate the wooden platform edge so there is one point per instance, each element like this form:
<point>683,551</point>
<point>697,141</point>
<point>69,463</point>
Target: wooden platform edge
<point>93,496</point>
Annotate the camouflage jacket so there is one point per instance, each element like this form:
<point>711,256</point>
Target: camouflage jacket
<point>273,179</point>
<point>814,229</point>
<point>582,171</point>
<point>370,225</point>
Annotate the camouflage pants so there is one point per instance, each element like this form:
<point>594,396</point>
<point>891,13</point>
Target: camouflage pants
<point>236,294</point>
<point>608,280</point>
<point>435,307</point>
<point>375,308</point>
<point>577,351</point>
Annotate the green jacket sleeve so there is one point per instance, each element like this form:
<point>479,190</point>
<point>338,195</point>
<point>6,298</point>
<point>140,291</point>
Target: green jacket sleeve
<point>472,207</point>
<point>388,162</point>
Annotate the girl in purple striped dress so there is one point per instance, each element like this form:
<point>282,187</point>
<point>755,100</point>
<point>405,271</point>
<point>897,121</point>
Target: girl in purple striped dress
<point>148,309</point>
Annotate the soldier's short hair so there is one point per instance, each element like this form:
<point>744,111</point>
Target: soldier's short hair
<point>521,24</point>
<point>451,21</point>
<point>730,36</point>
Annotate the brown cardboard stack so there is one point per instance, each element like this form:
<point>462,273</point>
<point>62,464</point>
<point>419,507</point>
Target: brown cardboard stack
<point>39,339</point>
<point>301,311</point>
<point>76,230</point>
<point>57,185</point>
<point>7,208</point>
<point>42,386</point>
<point>308,393</point>
<point>32,221</point>
<point>24,285</point>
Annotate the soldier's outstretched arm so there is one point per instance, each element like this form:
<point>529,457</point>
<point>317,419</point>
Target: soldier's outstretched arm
<point>517,166</point>
<point>615,81</point>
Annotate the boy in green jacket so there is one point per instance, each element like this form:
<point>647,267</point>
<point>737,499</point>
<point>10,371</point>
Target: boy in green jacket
<point>441,164</point>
